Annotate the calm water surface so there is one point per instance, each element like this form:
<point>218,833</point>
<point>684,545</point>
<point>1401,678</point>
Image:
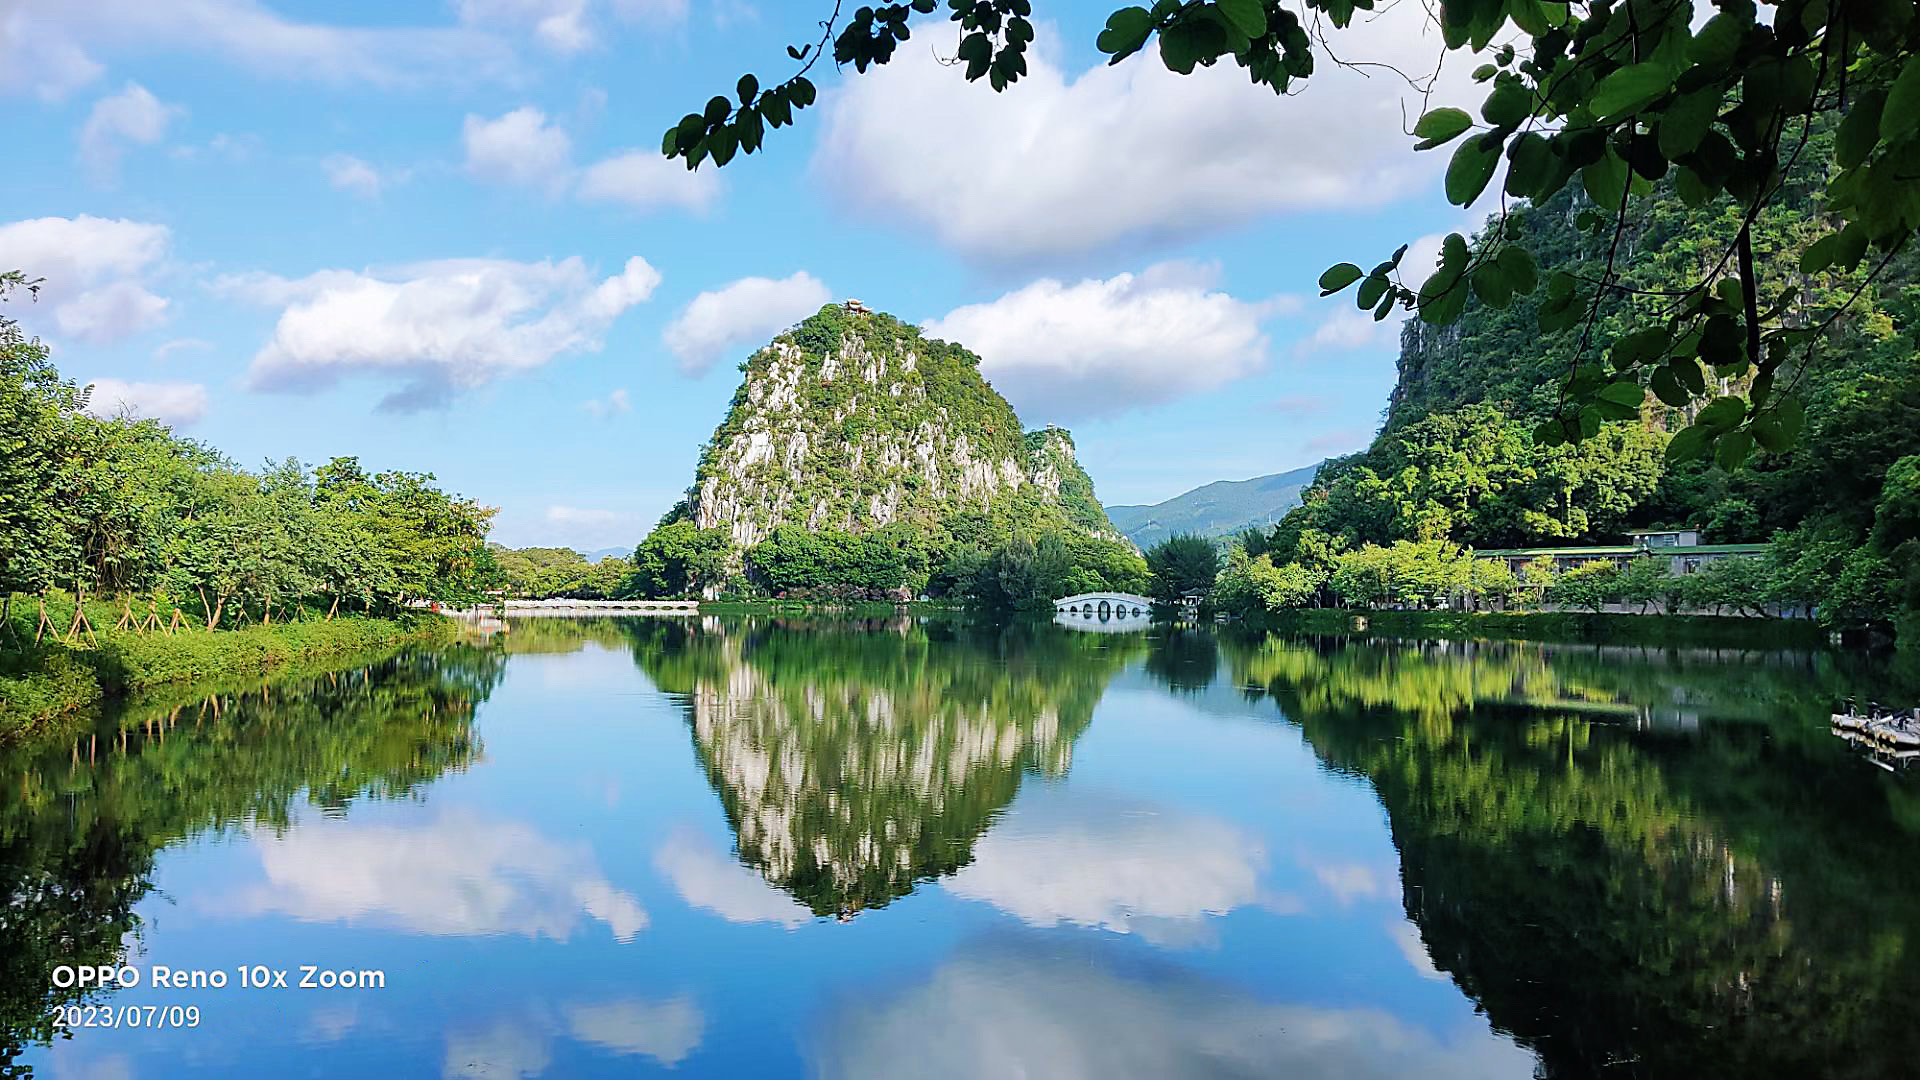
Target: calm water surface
<point>784,848</point>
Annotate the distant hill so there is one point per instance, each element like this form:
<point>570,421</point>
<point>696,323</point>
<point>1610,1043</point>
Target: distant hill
<point>1217,509</point>
<point>608,553</point>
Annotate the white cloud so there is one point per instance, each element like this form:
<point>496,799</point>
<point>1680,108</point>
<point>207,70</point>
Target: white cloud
<point>613,404</point>
<point>1116,865</point>
<point>1350,881</point>
<point>348,173</point>
<point>1406,938</point>
<point>566,26</point>
<point>1060,351</point>
<point>645,180</point>
<point>575,515</point>
<point>175,403</point>
<point>707,879</point>
<point>1128,154</point>
<point>459,876</point>
<point>520,147</point>
<point>1070,1015</point>
<point>509,1048</point>
<point>527,148</point>
<point>744,313</point>
<point>53,47</point>
<point>131,117</point>
<point>167,348</point>
<point>438,328</point>
<point>95,270</point>
<point>1347,328</point>
<point>666,1031</point>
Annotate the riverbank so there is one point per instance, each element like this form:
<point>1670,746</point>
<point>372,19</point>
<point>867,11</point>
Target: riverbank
<point>40,684</point>
<point>1568,626</point>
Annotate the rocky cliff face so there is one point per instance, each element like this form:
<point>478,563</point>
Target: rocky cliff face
<point>851,420</point>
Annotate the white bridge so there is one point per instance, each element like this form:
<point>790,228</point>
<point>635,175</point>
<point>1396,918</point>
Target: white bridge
<point>1106,605</point>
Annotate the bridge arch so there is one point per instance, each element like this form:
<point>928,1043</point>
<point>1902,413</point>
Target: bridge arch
<point>1105,605</point>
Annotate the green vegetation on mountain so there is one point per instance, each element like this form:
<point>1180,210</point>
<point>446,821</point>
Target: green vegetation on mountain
<point>1221,508</point>
<point>1459,460</point>
<point>860,458</point>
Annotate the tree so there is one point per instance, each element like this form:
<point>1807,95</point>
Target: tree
<point>1619,96</point>
<point>1182,565</point>
<point>38,411</point>
<point>1256,586</point>
<point>1646,581</point>
<point>679,559</point>
<point>1589,585</point>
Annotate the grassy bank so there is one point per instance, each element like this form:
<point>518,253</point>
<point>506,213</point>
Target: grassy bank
<point>43,682</point>
<point>1571,626</point>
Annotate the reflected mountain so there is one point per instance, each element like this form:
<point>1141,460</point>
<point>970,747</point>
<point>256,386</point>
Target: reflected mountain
<point>81,821</point>
<point>1636,869</point>
<point>857,759</point>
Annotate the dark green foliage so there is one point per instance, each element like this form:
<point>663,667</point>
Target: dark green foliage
<point>546,573</point>
<point>1182,565</point>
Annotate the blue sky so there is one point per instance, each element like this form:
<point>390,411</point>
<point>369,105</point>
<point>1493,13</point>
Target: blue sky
<point>438,235</point>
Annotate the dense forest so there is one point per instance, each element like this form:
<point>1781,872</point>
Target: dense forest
<point>1457,463</point>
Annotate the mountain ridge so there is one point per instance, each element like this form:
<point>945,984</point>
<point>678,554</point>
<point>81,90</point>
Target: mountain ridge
<point>1220,508</point>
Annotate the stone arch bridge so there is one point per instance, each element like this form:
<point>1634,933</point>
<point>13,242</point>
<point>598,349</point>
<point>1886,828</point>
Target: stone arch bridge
<point>1107,605</point>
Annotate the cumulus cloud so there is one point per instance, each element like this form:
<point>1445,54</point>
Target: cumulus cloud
<point>438,328</point>
<point>1063,351</point>
<point>528,149</point>
<point>350,174</point>
<point>708,879</point>
<point>53,47</point>
<point>645,180</point>
<point>520,147</point>
<point>1001,1010</point>
<point>132,117</point>
<point>95,271</point>
<point>177,403</point>
<point>1113,864</point>
<point>1128,154</point>
<point>521,1045</point>
<point>746,312</point>
<point>459,876</point>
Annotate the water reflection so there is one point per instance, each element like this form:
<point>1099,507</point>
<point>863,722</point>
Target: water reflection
<point>459,875</point>
<point>1632,897</point>
<point>1161,854</point>
<point>82,821</point>
<point>1022,1008</point>
<point>854,761</point>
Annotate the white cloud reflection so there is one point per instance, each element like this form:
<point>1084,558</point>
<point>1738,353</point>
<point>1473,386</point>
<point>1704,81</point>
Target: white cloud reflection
<point>457,876</point>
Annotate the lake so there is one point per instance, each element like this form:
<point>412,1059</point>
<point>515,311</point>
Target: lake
<point>793,847</point>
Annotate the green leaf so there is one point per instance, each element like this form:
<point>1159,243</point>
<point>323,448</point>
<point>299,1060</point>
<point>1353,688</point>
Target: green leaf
<point>1126,32</point>
<point>1490,285</point>
<point>1249,16</point>
<point>1508,105</point>
<point>1337,277</point>
<point>718,109</point>
<point>1624,393</point>
<point>1517,263</point>
<point>1690,444</point>
<point>748,88</point>
<point>1668,389</point>
<point>1385,309</point>
<point>1733,449</point>
<point>1613,410</point>
<point>1441,126</point>
<point>1472,166</point>
<point>1371,290</point>
<point>1688,372</point>
<point>1722,414</point>
<point>1606,181</point>
<point>1820,254</point>
<point>1860,130</point>
<point>1630,89</point>
<point>1901,114</point>
<point>1530,164</point>
<point>1686,120</point>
